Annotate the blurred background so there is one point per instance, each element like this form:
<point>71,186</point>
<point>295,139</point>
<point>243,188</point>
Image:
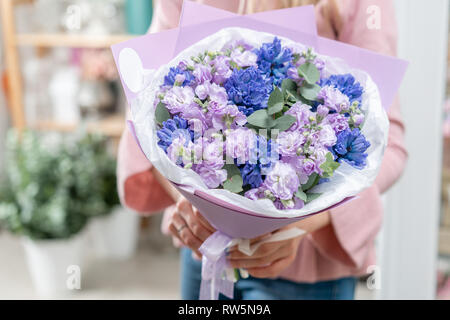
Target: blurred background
<point>59,81</point>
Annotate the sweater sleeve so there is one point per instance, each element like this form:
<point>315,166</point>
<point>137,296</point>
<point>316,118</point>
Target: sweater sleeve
<point>355,225</point>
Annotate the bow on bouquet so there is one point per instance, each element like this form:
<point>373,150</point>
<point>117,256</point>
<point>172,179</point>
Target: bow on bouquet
<point>256,124</point>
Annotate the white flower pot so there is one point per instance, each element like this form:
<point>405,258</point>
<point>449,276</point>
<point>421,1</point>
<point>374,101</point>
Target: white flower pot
<point>55,265</point>
<point>115,236</point>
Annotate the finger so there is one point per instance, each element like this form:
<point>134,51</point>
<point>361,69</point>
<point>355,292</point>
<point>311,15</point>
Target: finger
<point>264,250</point>
<point>273,270</point>
<point>194,224</point>
<point>260,262</point>
<point>205,222</point>
<point>252,241</point>
<point>177,241</point>
<point>197,255</point>
<point>189,239</point>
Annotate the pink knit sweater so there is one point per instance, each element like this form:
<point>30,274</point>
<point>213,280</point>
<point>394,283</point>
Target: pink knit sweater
<point>346,246</point>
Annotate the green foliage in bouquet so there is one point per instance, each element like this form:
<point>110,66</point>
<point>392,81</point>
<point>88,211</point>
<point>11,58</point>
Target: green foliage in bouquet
<point>54,185</point>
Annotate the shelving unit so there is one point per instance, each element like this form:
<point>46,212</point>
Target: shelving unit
<point>111,126</point>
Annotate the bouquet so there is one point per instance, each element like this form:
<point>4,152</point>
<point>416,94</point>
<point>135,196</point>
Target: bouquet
<point>256,125</point>
<point>283,121</point>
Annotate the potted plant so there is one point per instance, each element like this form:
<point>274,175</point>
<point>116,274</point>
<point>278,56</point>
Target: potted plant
<point>39,201</point>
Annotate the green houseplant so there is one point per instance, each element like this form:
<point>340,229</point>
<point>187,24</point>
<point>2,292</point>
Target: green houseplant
<point>54,184</point>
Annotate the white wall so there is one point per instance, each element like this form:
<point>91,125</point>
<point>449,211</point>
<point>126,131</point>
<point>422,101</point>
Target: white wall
<point>408,247</point>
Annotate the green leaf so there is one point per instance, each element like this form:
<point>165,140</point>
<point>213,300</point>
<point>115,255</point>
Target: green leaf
<point>329,166</point>
<point>161,113</point>
<point>234,184</point>
<point>276,102</point>
<point>309,91</point>
<point>232,170</point>
<point>284,122</point>
<point>312,197</point>
<point>301,194</point>
<point>309,72</point>
<point>261,119</point>
<point>288,85</point>
<point>312,181</point>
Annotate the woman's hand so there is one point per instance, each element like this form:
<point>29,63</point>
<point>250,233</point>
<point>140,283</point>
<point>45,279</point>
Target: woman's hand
<point>269,260</point>
<point>189,227</point>
<point>272,258</point>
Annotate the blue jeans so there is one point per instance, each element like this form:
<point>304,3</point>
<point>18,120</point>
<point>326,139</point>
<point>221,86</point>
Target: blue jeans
<point>265,289</point>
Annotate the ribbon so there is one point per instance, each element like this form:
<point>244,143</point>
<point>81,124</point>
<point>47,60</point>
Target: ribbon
<point>216,276</point>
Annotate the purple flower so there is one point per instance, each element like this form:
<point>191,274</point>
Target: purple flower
<point>170,78</point>
<point>248,88</point>
<point>213,178</point>
<point>178,99</point>
<point>333,99</point>
<point>326,136</point>
<point>351,147</point>
<point>173,128</point>
<point>222,71</point>
<point>302,112</point>
<point>225,117</point>
<point>180,151</point>
<point>337,121</point>
<point>202,73</point>
<point>282,181</point>
<point>346,84</point>
<point>358,119</point>
<point>243,58</point>
<point>290,143</point>
<point>274,61</point>
<point>240,143</point>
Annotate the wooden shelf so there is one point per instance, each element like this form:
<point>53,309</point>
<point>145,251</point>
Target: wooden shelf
<point>70,40</point>
<point>112,126</point>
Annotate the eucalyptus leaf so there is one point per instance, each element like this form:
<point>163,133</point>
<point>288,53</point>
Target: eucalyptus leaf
<point>234,184</point>
<point>312,181</point>
<point>261,119</point>
<point>276,102</point>
<point>312,197</point>
<point>309,72</point>
<point>301,194</point>
<point>284,122</point>
<point>309,91</point>
<point>161,113</point>
<point>232,170</point>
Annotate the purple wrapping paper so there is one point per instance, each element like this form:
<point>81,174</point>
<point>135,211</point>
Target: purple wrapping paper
<point>198,21</point>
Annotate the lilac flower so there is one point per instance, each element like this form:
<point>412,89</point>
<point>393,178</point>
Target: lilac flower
<point>180,151</point>
<point>221,65</point>
<point>346,84</point>
<point>202,73</point>
<point>170,78</point>
<point>322,111</point>
<point>243,58</point>
<point>239,144</point>
<point>213,178</point>
<point>248,89</point>
<point>178,99</point>
<point>225,117</point>
<point>337,121</point>
<point>282,181</point>
<point>290,142</point>
<point>326,136</point>
<point>333,99</point>
<point>358,119</point>
<point>302,112</point>
<point>351,147</point>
